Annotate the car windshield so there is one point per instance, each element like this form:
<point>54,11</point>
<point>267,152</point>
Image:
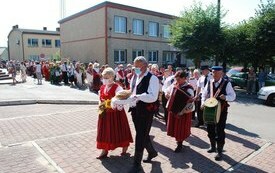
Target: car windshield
<point>232,71</point>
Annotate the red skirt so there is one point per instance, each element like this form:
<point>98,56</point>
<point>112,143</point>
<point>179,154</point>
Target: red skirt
<point>113,130</point>
<point>179,126</point>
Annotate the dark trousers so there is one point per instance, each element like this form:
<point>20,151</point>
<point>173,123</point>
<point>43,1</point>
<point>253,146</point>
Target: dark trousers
<point>164,102</point>
<point>216,132</point>
<point>65,77</point>
<point>143,125</point>
<point>199,113</point>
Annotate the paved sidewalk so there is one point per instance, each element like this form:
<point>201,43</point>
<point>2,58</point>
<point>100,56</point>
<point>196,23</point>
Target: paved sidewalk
<point>31,93</point>
<point>65,141</point>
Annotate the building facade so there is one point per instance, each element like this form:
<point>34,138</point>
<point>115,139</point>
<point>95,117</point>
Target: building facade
<point>4,55</point>
<point>111,33</point>
<point>28,44</point>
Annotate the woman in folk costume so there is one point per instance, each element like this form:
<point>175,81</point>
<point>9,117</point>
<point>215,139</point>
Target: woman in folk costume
<point>96,78</point>
<point>113,129</point>
<point>179,115</point>
<point>120,75</point>
<point>46,71</point>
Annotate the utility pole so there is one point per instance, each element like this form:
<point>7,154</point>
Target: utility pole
<point>219,26</point>
<point>62,9</point>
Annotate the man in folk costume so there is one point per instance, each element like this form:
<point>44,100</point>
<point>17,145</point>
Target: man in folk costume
<point>223,91</point>
<point>202,81</point>
<point>180,115</point>
<point>145,89</point>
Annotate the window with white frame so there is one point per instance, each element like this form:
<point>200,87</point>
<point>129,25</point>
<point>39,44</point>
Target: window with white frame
<point>153,56</point>
<point>119,56</point>
<point>168,57</point>
<point>166,31</point>
<point>153,29</point>
<point>137,53</point>
<point>138,27</point>
<point>120,24</point>
<point>46,43</point>
<point>33,42</point>
<point>57,43</point>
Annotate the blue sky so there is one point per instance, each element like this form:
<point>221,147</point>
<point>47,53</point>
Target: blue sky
<point>35,14</point>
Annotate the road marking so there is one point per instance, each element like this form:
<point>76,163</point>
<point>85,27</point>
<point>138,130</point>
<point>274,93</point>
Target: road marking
<point>42,115</point>
<point>251,156</point>
<point>47,157</point>
<point>54,137</point>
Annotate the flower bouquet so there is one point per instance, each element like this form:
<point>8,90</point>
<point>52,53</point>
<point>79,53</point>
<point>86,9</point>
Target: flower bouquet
<point>103,106</point>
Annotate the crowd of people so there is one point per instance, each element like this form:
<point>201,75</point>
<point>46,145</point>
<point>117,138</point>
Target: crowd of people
<point>182,93</point>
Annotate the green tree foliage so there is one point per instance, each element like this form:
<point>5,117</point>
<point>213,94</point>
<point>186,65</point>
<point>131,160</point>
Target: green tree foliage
<point>197,32</point>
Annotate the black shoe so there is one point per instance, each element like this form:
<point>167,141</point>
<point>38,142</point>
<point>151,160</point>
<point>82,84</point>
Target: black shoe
<point>211,150</point>
<point>218,157</point>
<point>198,125</point>
<point>136,168</point>
<point>150,157</point>
<point>178,149</point>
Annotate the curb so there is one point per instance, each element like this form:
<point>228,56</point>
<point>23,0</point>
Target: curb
<point>27,102</point>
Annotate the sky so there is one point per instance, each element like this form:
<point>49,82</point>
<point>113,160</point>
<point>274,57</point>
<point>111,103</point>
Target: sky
<point>36,14</point>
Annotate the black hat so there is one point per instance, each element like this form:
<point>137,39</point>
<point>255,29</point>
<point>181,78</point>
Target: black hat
<point>204,67</point>
<point>217,68</point>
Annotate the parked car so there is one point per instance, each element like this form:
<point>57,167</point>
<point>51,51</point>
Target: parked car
<point>233,71</point>
<point>268,95</point>
<point>240,79</point>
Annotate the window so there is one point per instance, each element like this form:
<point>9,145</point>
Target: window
<point>46,43</point>
<point>33,42</point>
<point>137,53</point>
<point>166,31</point>
<point>153,56</point>
<point>57,43</point>
<point>138,27</point>
<point>120,56</point>
<point>153,29</point>
<point>120,24</point>
<point>34,57</point>
<point>168,57</point>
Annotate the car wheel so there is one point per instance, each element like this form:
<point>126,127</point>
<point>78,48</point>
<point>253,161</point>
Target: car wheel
<point>271,100</point>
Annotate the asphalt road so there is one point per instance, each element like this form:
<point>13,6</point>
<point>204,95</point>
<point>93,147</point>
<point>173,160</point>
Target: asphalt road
<point>249,116</point>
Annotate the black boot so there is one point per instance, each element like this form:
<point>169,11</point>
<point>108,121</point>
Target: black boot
<point>137,163</point>
<point>218,157</point>
<point>212,148</point>
<point>150,157</point>
<point>179,147</point>
<point>152,153</point>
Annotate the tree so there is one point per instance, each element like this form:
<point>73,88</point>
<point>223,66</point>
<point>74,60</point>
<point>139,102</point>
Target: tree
<point>265,33</point>
<point>197,33</point>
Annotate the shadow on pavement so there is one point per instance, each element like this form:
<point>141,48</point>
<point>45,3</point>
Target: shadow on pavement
<point>245,142</point>
<point>240,130</point>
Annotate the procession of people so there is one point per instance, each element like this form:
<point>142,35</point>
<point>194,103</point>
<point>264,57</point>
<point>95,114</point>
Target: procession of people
<point>200,95</point>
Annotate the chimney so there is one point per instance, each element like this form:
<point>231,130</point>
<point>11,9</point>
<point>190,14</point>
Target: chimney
<point>44,28</point>
<point>58,29</point>
<point>15,27</point>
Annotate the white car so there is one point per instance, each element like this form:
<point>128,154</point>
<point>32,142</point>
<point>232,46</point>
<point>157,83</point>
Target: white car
<point>267,94</point>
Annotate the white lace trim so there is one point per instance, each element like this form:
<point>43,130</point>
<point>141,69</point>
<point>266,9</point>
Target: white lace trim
<point>119,104</point>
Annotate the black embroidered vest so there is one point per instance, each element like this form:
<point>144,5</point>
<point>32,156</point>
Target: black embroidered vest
<point>142,87</point>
